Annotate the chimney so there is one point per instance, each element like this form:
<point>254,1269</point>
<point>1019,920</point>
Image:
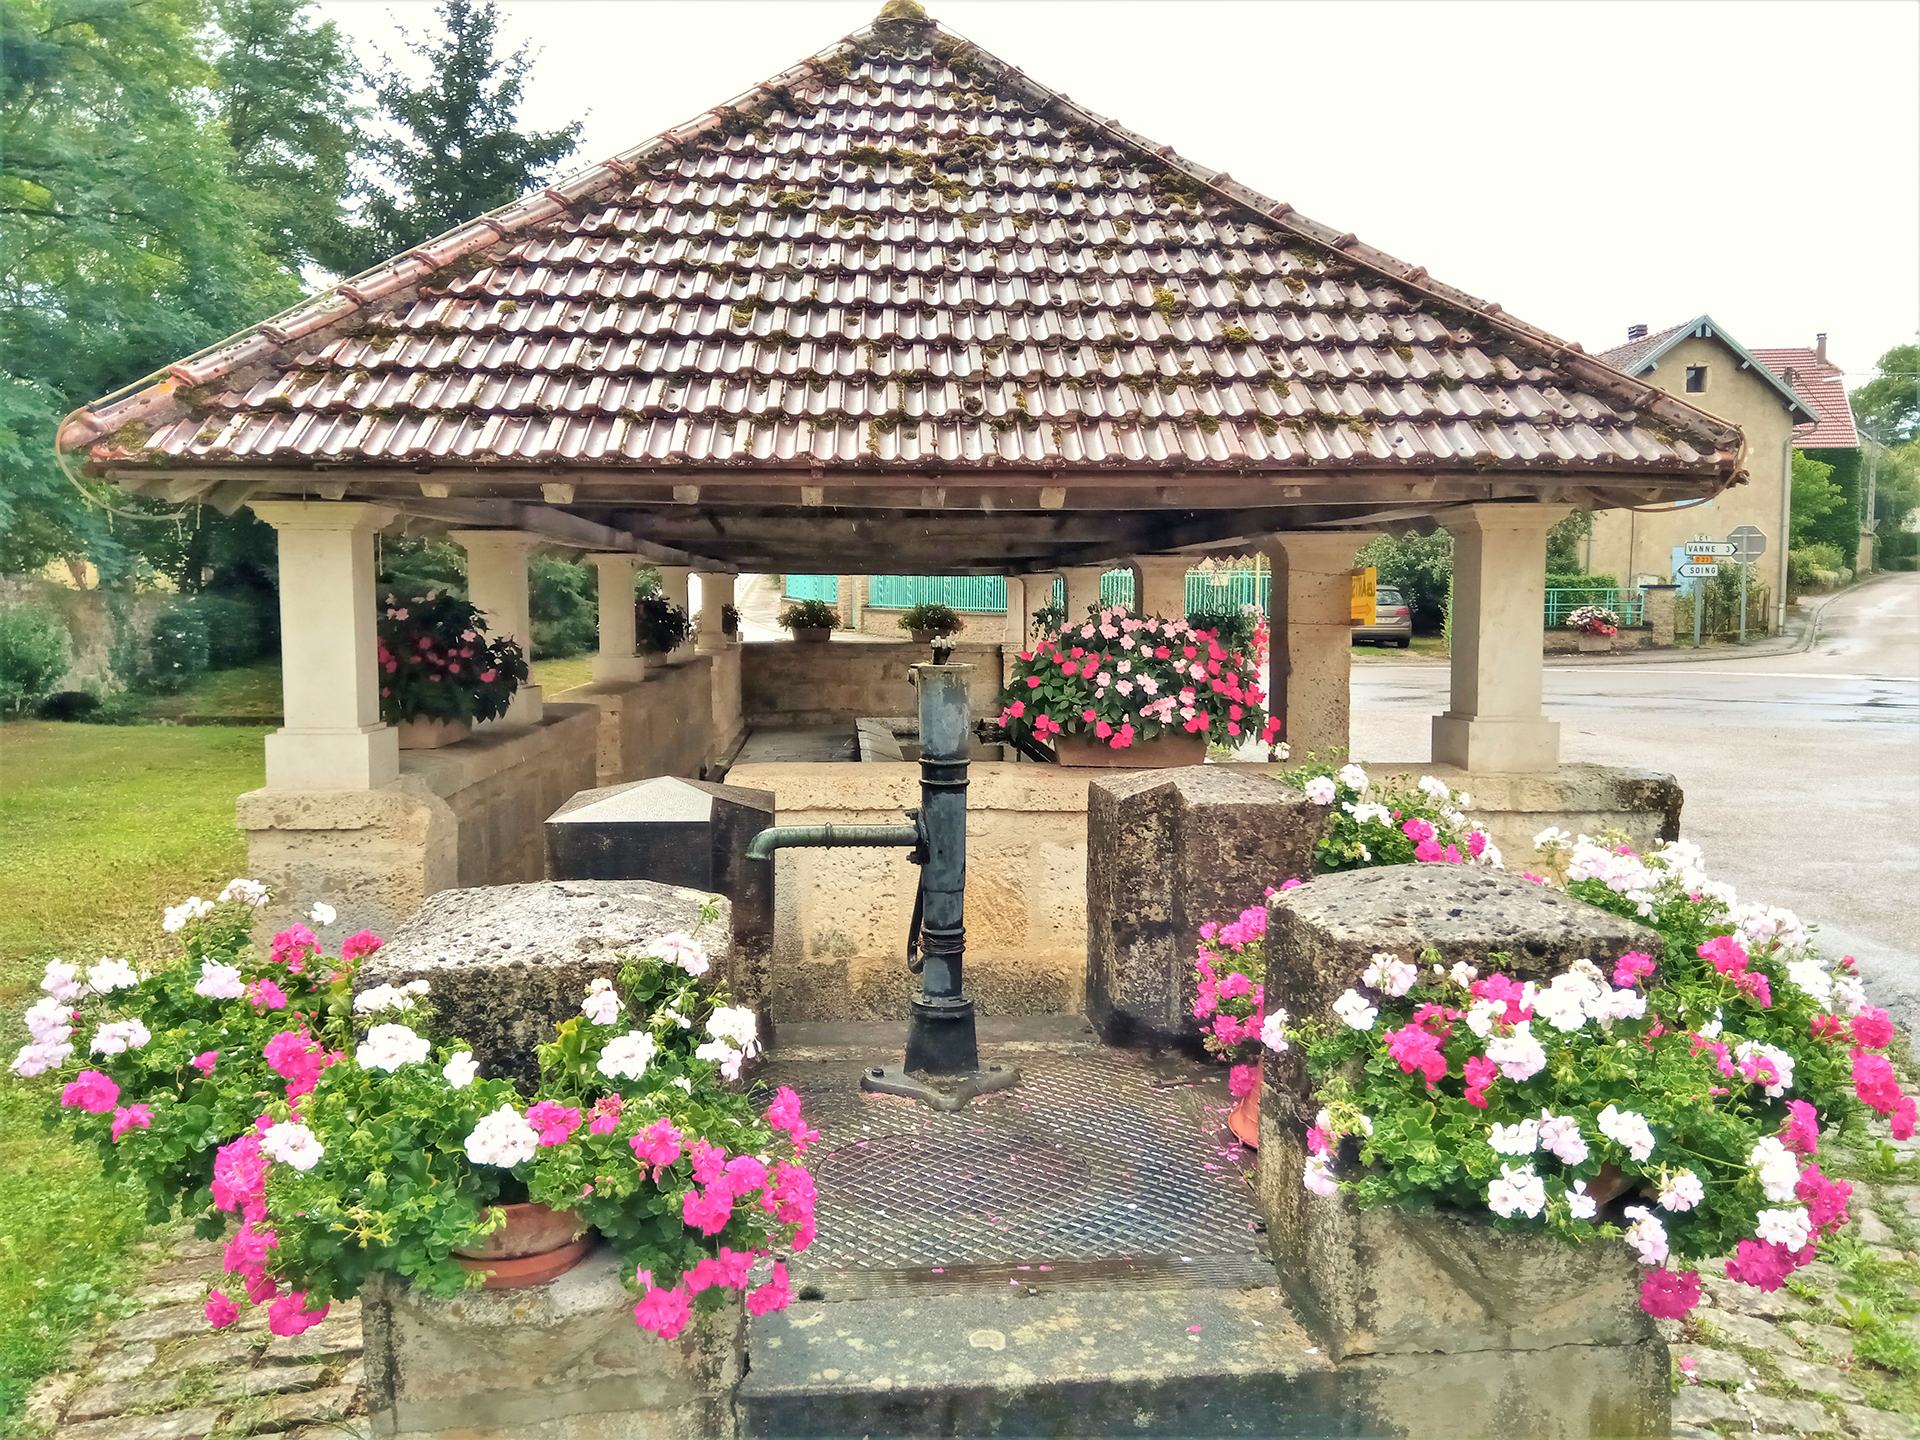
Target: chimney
<point>1636,332</point>
<point>1820,347</point>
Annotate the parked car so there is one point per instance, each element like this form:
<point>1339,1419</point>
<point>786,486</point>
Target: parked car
<point>1393,621</point>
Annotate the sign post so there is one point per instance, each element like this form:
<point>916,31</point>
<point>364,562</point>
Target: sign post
<point>1749,545</point>
<point>1703,556</point>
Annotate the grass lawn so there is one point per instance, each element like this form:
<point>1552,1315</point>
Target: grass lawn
<point>100,827</point>
<point>1424,647</point>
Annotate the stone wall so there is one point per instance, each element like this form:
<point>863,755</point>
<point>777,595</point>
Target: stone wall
<point>469,814</point>
<point>784,682</point>
<point>661,724</point>
<point>90,628</point>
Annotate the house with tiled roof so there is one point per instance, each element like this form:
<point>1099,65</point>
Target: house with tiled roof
<point>1833,440</point>
<point>1699,360</point>
<point>901,308</point>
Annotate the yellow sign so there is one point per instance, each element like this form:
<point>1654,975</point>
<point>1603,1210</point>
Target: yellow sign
<point>1366,591</point>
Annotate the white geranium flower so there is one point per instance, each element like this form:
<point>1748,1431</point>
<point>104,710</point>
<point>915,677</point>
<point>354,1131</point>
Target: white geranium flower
<point>110,975</point>
<point>1811,976</point>
<point>1321,790</point>
<point>118,1036</point>
<point>736,1025</point>
<point>219,982</point>
<point>49,1021</point>
<point>175,918</point>
<point>1628,1130</point>
<point>1681,1190</point>
<point>1463,974</point>
<point>1776,1167</point>
<point>683,950</point>
<point>683,1082</point>
<point>1517,1192</point>
<point>1367,811</point>
<point>1273,1030</point>
<point>322,914</point>
<point>503,1138</point>
<point>460,1070</point>
<point>1552,838</point>
<point>1521,1138</point>
<point>602,1005</point>
<point>1791,1228</point>
<point>1353,1008</point>
<point>1560,1136</point>
<point>388,997</point>
<point>247,892</point>
<point>1395,977</point>
<point>1518,1055</point>
<point>40,1057</point>
<point>1436,789</point>
<point>1781,1062</point>
<point>62,981</point>
<point>1582,1205</point>
<point>1849,996</point>
<point>1317,1176</point>
<point>1353,777</point>
<point>388,1047</point>
<point>626,1057</point>
<point>293,1144</point>
<point>723,1053</point>
<point>1647,1235</point>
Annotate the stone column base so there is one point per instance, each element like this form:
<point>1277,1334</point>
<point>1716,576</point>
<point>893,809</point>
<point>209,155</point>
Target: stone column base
<point>526,708</point>
<point>363,759</point>
<point>561,1361</point>
<point>1499,747</point>
<point>618,669</point>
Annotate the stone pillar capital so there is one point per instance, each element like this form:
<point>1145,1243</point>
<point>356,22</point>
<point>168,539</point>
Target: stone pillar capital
<point>509,541</point>
<point>1319,552</point>
<point>1483,516</point>
<point>350,515</point>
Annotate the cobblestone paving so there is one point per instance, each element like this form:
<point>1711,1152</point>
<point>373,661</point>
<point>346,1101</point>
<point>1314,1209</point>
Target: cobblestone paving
<point>1834,1354</point>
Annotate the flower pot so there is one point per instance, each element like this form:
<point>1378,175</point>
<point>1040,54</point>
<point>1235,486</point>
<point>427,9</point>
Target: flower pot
<point>426,734</point>
<point>1595,644</point>
<point>536,1244</point>
<point>924,637</point>
<point>811,634</point>
<point>1244,1119</point>
<point>1161,753</point>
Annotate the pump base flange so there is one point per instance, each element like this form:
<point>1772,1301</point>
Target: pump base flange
<point>938,1092</point>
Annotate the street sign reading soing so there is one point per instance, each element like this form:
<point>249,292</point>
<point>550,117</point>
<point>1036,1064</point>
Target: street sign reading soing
<point>1698,570</point>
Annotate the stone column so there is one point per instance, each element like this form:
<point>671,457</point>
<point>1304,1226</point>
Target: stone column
<point>1160,585</point>
<point>673,585</point>
<point>1083,591</point>
<point>1660,602</point>
<point>1493,722</point>
<point>716,591</point>
<point>331,737</point>
<point>1310,659</point>
<point>497,585</point>
<point>616,663</point>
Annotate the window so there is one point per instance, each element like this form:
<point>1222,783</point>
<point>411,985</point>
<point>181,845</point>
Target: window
<point>1696,379</point>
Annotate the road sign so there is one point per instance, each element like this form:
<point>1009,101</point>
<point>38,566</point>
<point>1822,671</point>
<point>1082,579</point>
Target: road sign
<point>1752,543</point>
<point>1698,571</point>
<point>1711,547</point>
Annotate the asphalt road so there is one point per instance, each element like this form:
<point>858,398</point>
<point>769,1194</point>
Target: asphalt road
<point>1801,772</point>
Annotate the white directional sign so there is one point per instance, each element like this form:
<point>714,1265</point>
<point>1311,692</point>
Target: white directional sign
<point>1711,547</point>
<point>1698,570</point>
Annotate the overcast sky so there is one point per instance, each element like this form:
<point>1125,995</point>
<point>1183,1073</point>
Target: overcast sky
<point>1587,165</point>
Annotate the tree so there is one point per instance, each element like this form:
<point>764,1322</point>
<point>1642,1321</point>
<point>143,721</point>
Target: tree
<point>1420,567</point>
<point>125,243</point>
<point>1887,407</point>
<point>455,150</point>
<point>1814,496</point>
<point>286,91</point>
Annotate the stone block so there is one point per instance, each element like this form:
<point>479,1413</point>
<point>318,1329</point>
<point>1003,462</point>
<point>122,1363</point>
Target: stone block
<point>506,963</point>
<point>1703,1405</point>
<point>1718,1366</point>
<point>562,1361</point>
<point>315,1407</point>
<point>1870,1424</point>
<point>180,1425</point>
<point>267,1380</point>
<point>1817,1379</point>
<point>168,1324</point>
<point>1774,1414</point>
<point>1167,851</point>
<point>1597,1392</point>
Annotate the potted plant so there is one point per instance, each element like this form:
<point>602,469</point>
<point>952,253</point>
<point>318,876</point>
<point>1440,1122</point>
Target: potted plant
<point>343,1140</point>
<point>730,621</point>
<point>1596,625</point>
<point>930,622</point>
<point>1124,690</point>
<point>811,621</point>
<point>439,669</point>
<point>659,626</point>
<point>1673,1098</point>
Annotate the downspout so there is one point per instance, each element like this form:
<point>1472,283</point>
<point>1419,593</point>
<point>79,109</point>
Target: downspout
<point>1786,521</point>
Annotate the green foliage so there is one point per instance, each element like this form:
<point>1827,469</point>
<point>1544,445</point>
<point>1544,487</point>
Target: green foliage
<point>940,620</point>
<point>1815,567</point>
<point>1577,581</point>
<point>810,615</point>
<point>659,626</point>
<point>1420,567</point>
<point>1048,618</point>
<point>33,656</point>
<point>201,549</point>
<point>560,597</point>
<point>1840,526</point>
<point>1565,552</point>
<point>1814,497</point>
<point>237,625</point>
<point>437,661</point>
<point>1367,819</point>
<point>1236,629</point>
<point>176,649</point>
<point>1887,407</point>
<point>413,563</point>
<point>452,146</point>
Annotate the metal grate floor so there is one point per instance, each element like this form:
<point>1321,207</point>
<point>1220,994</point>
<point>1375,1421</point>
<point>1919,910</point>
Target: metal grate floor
<point>1101,1165</point>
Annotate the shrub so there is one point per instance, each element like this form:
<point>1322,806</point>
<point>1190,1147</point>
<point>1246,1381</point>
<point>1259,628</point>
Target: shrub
<point>33,656</point>
<point>69,705</point>
<point>659,626</point>
<point>176,648</point>
<point>235,634</point>
<point>1816,567</point>
<point>729,620</point>
<point>438,663</point>
<point>1420,567</point>
<point>1236,628</point>
<point>810,615</point>
<point>937,620</point>
<point>561,603</point>
<point>346,1142</point>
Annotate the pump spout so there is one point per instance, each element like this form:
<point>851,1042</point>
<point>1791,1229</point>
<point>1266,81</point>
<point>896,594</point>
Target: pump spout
<point>818,837</point>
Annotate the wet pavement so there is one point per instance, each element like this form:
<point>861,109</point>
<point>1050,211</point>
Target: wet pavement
<point>1801,772</point>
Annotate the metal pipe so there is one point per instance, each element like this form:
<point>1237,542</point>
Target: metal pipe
<point>940,1035</point>
<point>793,837</point>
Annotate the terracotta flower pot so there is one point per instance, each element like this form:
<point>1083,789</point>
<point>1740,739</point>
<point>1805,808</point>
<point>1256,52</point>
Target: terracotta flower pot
<point>432,734</point>
<point>1244,1119</point>
<point>536,1244</point>
<point>1161,753</point>
<point>811,634</point>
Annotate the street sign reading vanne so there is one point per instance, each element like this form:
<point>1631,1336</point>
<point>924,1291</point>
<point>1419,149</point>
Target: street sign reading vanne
<point>1711,547</point>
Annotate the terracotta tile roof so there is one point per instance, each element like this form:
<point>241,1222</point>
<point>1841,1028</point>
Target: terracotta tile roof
<point>904,254</point>
<point>1637,357</point>
<point>1629,357</point>
<point>1823,384</point>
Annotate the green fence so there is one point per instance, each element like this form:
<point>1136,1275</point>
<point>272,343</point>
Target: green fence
<point>813,587</point>
<point>1629,605</point>
<point>981,594</point>
<point>1222,592</point>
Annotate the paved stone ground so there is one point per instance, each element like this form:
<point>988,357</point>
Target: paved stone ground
<point>1834,1354</point>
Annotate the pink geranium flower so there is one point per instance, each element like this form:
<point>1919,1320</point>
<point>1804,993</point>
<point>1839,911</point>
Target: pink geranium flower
<point>92,1092</point>
<point>1669,1294</point>
<point>130,1117</point>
